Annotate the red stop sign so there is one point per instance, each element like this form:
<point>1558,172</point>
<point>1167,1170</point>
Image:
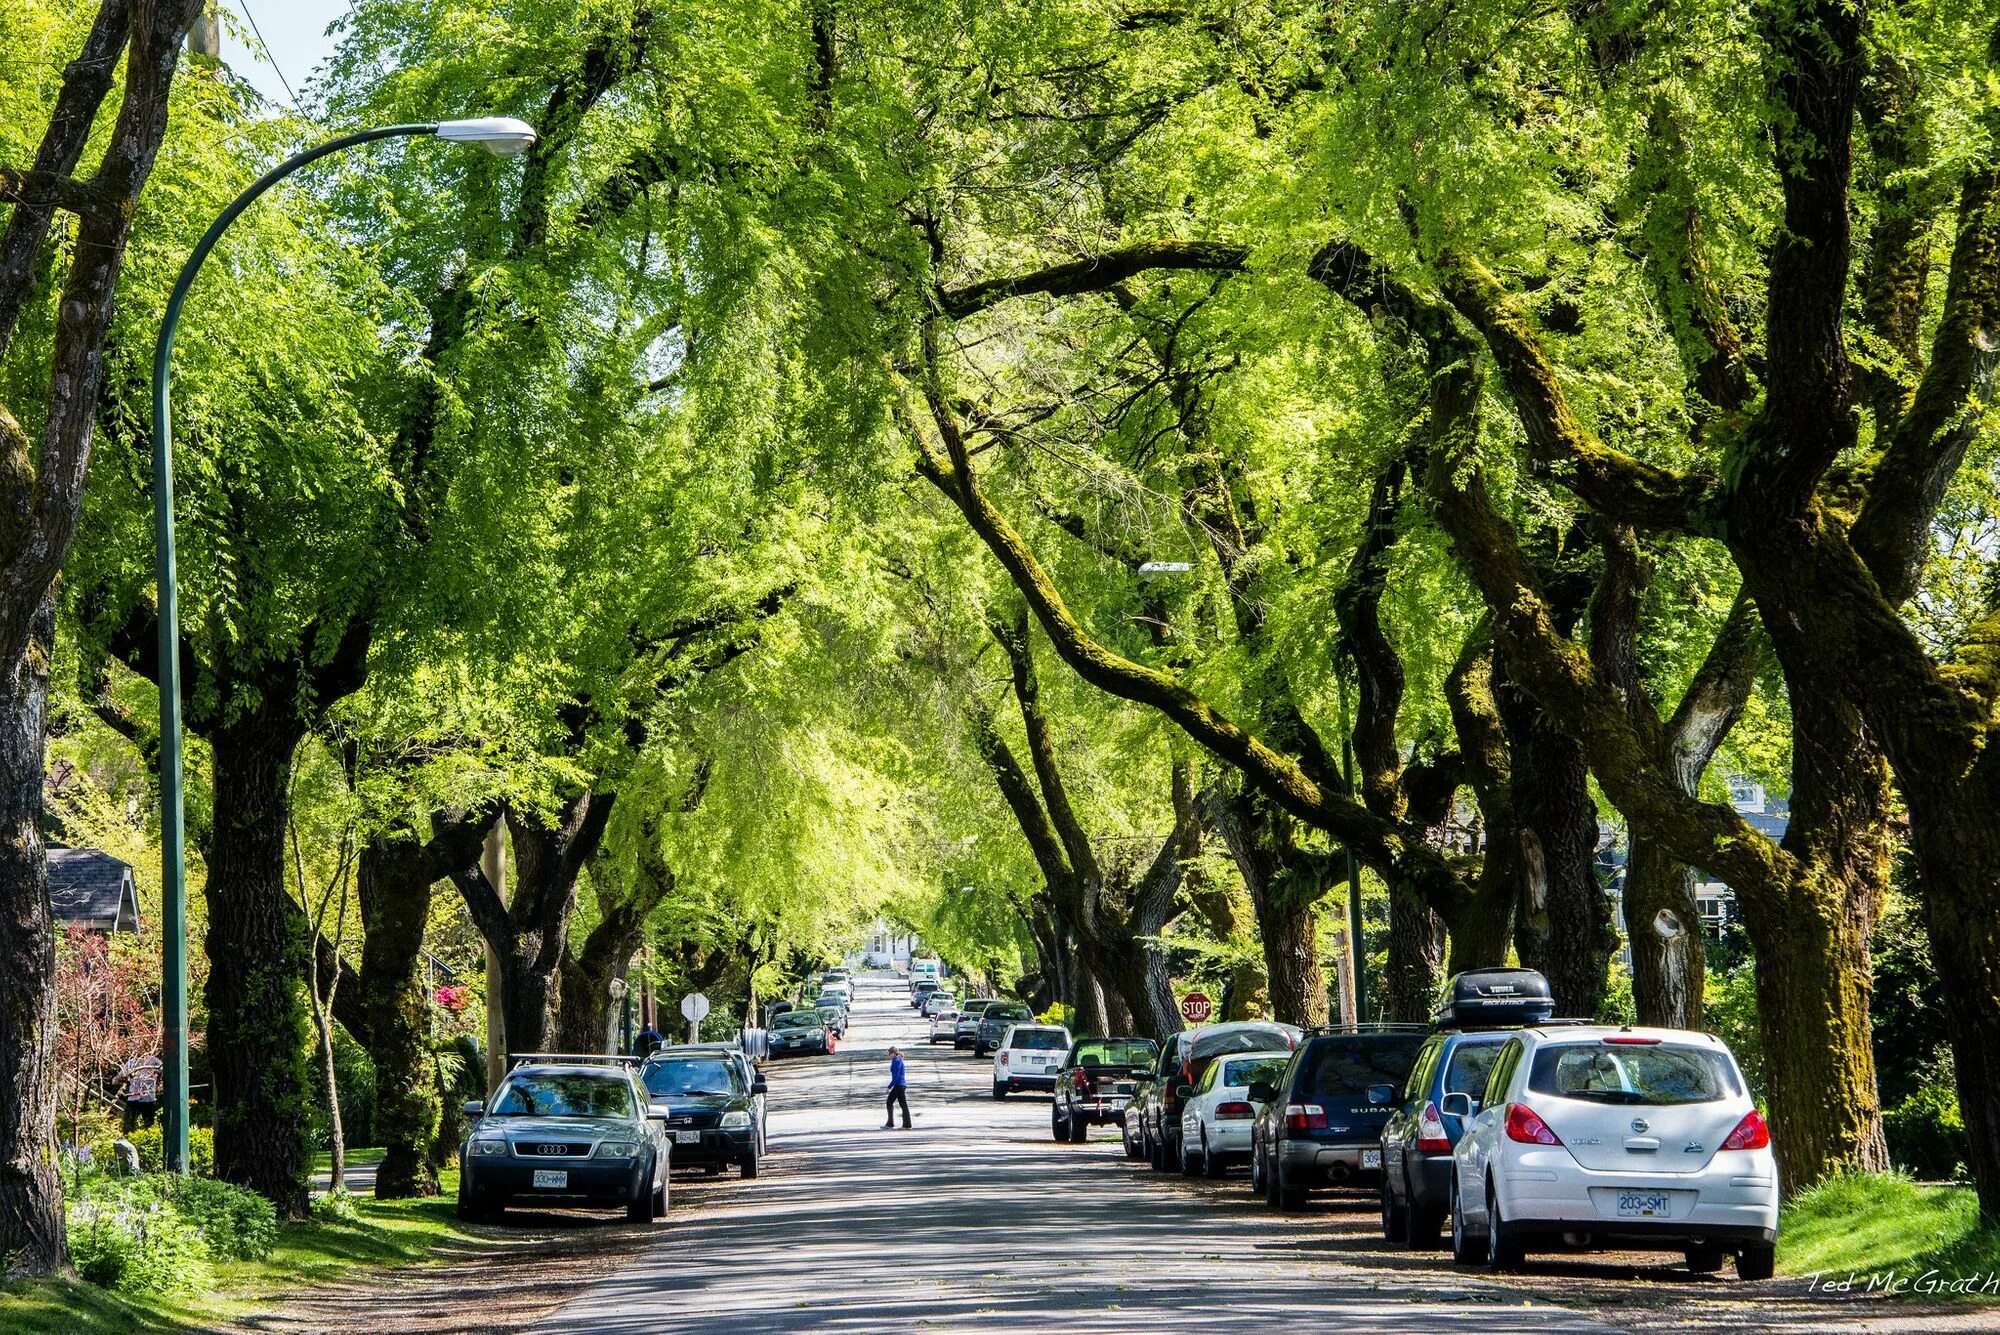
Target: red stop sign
<point>1196,1007</point>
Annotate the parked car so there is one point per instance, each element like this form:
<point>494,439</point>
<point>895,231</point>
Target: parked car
<point>746,1065</point>
<point>836,976</point>
<point>1602,1137</point>
<point>966,1032</point>
<point>1485,1006</point>
<point>1028,1057</point>
<point>1215,1122</point>
<point>1095,1082</point>
<point>922,990</point>
<point>1184,1060</point>
<point>565,1133</point>
<point>1321,1123</point>
<point>798,1032</point>
<point>840,992</point>
<point>943,1023</point>
<point>711,1109</point>
<point>994,1022</point>
<point>835,1016</point>
<point>938,1001</point>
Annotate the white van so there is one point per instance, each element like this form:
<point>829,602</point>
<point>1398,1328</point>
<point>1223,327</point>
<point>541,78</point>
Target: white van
<point>921,969</point>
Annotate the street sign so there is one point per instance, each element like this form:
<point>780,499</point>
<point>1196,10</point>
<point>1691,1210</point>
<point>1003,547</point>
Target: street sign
<point>694,1007</point>
<point>1196,1008</point>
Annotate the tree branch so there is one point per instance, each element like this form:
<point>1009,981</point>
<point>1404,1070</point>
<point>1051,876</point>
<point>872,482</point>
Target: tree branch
<point>1097,274</point>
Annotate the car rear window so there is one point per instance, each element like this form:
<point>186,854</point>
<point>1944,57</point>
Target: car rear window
<point>1632,1073</point>
<point>1008,1011</point>
<point>1116,1052</point>
<point>1243,1072</point>
<point>1471,1063</point>
<point>563,1095</point>
<point>1338,1067</point>
<point>1041,1040</point>
<point>684,1076</point>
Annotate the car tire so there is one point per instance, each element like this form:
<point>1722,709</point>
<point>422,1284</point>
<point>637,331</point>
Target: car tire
<point>1705,1260</point>
<point>1079,1131</point>
<point>1504,1251</point>
<point>1290,1195</point>
<point>639,1210</point>
<point>1211,1162</point>
<point>999,1091</point>
<point>1058,1125</point>
<point>1757,1262</point>
<point>660,1197</point>
<point>1256,1168</point>
<point>1395,1217</point>
<point>1156,1154</point>
<point>1424,1223</point>
<point>474,1211</point>
<point>1191,1164</point>
<point>747,1165</point>
<point>1463,1252</point>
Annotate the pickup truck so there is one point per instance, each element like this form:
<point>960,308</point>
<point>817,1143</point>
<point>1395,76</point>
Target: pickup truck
<point>1095,1083</point>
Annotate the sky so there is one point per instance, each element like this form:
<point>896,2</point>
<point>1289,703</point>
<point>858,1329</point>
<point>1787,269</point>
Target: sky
<point>295,33</point>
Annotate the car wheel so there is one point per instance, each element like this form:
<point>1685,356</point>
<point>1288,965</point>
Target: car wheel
<point>1503,1250</point>
<point>1058,1125</point>
<point>1462,1250</point>
<point>1758,1262</point>
<point>1256,1168</point>
<point>1704,1260</point>
<point>1156,1154</point>
<point>1211,1162</point>
<point>999,1091</point>
<point>1423,1222</point>
<point>1079,1130</point>
<point>1395,1217</point>
<point>1291,1196</point>
<point>660,1197</point>
<point>747,1166</point>
<point>712,1169</point>
<point>1191,1165</point>
<point>639,1210</point>
<point>472,1211</point>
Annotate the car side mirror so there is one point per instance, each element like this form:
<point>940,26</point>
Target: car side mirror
<point>759,1085</point>
<point>658,1112</point>
<point>1183,1092</point>
<point>1263,1091</point>
<point>1380,1095</point>
<point>474,1109</point>
<point>1458,1105</point>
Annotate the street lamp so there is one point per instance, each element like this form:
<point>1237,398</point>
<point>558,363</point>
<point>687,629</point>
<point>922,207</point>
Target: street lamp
<point>501,136</point>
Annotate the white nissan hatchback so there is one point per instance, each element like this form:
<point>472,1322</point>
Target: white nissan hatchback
<point>1599,1137</point>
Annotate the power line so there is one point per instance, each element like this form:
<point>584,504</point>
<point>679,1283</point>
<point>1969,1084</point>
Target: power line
<point>269,59</point>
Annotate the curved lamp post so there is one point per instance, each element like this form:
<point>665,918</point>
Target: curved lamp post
<point>501,136</point>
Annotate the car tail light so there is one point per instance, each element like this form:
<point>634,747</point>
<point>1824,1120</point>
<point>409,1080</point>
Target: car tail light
<point>1631,1040</point>
<point>1226,1111</point>
<point>1527,1127</point>
<point>1431,1138</point>
<point>1752,1133</point>
<point>1304,1117</point>
<point>1003,1059</point>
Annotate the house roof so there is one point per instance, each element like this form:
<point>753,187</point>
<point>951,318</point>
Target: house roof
<point>93,888</point>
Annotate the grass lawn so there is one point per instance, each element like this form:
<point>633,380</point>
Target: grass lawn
<point>384,1234</point>
<point>1879,1225</point>
<point>323,1161</point>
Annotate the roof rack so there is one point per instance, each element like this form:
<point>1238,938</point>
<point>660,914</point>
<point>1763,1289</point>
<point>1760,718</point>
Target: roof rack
<point>573,1058</point>
<point>1371,1026</point>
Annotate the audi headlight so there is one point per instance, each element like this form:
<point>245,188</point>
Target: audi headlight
<point>489,1147</point>
<point>617,1149</point>
<point>735,1121</point>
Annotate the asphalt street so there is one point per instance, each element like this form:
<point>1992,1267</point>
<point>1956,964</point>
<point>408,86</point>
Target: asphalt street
<point>978,1220</point>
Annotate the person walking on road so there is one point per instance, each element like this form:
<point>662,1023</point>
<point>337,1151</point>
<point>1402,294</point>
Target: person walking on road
<point>898,1090</point>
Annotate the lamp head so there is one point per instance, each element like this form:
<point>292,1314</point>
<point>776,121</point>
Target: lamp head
<point>502,136</point>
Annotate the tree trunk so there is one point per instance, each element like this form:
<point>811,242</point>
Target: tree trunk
<point>1283,908</point>
<point>1139,979</point>
<point>1563,926</point>
<point>1481,926</point>
<point>1088,995</point>
<point>257,950</point>
<point>1416,957</point>
<point>31,1209</point>
<point>1668,969</point>
<point>395,884</point>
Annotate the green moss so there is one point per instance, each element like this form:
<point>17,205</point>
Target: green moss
<point>1882,1225</point>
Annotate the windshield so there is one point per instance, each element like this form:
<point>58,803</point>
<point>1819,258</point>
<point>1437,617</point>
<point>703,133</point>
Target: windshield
<point>976,1005</point>
<point>798,1020</point>
<point>563,1095</point>
<point>1346,1067</point>
<point>1245,1072</point>
<point>1040,1040</point>
<point>1116,1052</point>
<point>1651,1074</point>
<point>687,1076</point>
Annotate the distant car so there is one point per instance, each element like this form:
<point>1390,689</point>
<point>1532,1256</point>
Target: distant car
<point>836,976</point>
<point>776,1008</point>
<point>1321,1122</point>
<point>711,1109</point>
<point>1216,1122</point>
<point>798,1032</point>
<point>565,1134</point>
<point>994,1022</point>
<point>838,991</point>
<point>1028,1057</point>
<point>1095,1082</point>
<point>937,1001</point>
<point>966,1031</point>
<point>923,990</point>
<point>835,1017</point>
<point>943,1023</point>
<point>1184,1059</point>
<point>1483,1007</point>
<point>1601,1137</point>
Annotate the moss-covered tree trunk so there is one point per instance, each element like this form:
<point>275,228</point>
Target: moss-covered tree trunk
<point>1416,957</point>
<point>1668,959</point>
<point>1274,873</point>
<point>257,949</point>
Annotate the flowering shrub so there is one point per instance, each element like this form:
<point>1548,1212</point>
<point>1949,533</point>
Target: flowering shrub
<point>453,996</point>
<point>160,1234</point>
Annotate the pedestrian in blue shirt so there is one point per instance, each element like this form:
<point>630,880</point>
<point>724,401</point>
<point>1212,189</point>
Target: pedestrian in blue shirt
<point>898,1095</point>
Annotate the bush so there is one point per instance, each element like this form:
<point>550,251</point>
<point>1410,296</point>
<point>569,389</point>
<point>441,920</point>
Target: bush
<point>126,1234</point>
<point>1059,1013</point>
<point>1926,1134</point>
<point>234,1221</point>
<point>150,1141</point>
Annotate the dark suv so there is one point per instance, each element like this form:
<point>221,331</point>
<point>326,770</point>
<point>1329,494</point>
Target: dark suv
<point>566,1132</point>
<point>1321,1125</point>
<point>711,1112</point>
<point>995,1021</point>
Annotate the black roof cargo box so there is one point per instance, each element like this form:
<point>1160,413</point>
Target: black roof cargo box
<point>1496,999</point>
